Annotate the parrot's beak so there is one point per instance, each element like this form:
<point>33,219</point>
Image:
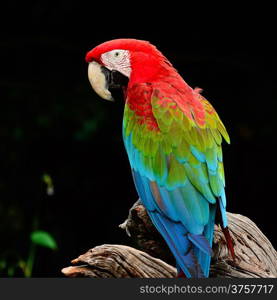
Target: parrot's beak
<point>105,81</point>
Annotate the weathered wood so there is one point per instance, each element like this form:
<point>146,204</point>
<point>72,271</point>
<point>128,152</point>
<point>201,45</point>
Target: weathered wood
<point>109,261</point>
<point>255,256</point>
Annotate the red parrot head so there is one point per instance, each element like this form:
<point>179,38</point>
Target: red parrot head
<point>116,63</point>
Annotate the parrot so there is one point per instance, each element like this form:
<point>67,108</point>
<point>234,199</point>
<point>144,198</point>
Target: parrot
<point>173,137</point>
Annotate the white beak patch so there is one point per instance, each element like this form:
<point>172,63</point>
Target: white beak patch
<point>98,82</point>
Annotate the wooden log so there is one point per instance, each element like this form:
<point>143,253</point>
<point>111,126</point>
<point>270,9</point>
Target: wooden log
<point>118,261</point>
<point>255,256</point>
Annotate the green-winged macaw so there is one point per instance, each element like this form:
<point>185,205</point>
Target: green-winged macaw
<point>172,136</point>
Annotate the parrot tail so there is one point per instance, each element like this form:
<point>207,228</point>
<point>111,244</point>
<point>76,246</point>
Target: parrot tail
<point>177,238</point>
<point>181,274</point>
<point>229,242</point>
<point>192,251</point>
<point>222,220</point>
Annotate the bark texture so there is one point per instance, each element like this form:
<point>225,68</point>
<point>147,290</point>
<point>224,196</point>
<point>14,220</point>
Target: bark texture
<point>255,255</point>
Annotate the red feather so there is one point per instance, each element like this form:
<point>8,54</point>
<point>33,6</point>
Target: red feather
<point>150,66</point>
<point>181,274</point>
<point>132,45</point>
<point>229,242</point>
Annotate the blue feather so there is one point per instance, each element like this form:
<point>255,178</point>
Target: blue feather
<point>191,250</point>
<point>199,155</point>
<point>201,242</point>
<point>175,236</point>
<point>223,212</point>
<point>204,259</point>
<point>183,216</point>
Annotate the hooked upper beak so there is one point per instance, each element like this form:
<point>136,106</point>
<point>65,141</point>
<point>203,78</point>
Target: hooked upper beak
<point>98,80</point>
<point>104,81</point>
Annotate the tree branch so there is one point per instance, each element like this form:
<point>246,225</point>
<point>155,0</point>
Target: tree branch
<point>255,255</point>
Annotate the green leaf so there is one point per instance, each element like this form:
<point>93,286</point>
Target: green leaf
<point>44,239</point>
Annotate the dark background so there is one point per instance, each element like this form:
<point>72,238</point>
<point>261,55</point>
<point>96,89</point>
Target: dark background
<point>52,122</point>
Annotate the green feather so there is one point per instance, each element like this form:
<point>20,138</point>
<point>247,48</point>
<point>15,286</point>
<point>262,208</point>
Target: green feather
<point>166,153</point>
<point>159,165</point>
<point>176,175</point>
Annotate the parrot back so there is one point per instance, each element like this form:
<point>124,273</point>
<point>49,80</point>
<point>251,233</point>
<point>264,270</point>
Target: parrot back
<point>173,141</point>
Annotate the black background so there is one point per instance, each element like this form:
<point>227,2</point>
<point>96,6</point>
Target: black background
<point>52,122</point>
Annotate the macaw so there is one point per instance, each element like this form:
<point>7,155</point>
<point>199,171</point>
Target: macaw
<point>173,137</point>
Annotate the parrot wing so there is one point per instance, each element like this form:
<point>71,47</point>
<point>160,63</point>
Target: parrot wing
<point>178,170</point>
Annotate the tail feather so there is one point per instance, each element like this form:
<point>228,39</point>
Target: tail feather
<point>200,241</point>
<point>181,274</point>
<point>229,242</point>
<point>203,258</point>
<point>224,225</point>
<point>175,217</point>
<point>175,235</point>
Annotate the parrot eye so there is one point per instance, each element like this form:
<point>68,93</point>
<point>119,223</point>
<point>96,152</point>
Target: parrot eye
<point>118,60</point>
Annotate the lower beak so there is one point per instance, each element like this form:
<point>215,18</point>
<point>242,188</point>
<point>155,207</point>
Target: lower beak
<point>98,80</point>
<point>104,81</point>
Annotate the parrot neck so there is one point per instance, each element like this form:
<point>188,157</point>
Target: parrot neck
<point>149,68</point>
<point>156,69</point>
<point>153,73</point>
